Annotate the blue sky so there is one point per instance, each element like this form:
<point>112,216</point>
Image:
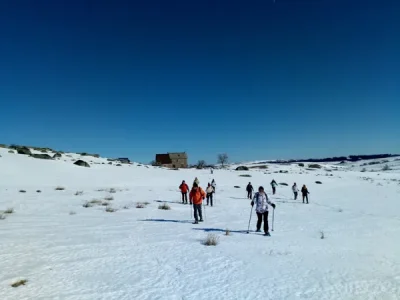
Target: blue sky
<point>255,79</point>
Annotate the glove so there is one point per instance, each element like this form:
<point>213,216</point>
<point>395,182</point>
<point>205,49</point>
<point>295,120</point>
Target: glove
<point>273,205</point>
<point>252,203</point>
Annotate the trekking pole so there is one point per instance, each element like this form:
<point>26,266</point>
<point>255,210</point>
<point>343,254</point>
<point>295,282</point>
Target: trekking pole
<point>273,214</point>
<point>204,210</point>
<point>251,212</point>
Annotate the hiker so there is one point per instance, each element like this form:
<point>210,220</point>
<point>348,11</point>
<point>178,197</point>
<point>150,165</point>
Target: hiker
<point>197,196</point>
<point>196,181</point>
<point>184,190</point>
<point>295,190</point>
<point>213,184</point>
<point>249,190</point>
<point>261,200</point>
<point>210,191</point>
<point>274,185</point>
<point>305,193</point>
<point>212,171</point>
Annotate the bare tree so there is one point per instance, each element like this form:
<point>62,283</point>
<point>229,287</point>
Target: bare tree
<point>223,159</point>
<point>201,164</point>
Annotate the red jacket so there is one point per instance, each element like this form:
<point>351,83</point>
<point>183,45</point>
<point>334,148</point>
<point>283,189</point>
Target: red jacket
<point>197,196</point>
<point>184,187</point>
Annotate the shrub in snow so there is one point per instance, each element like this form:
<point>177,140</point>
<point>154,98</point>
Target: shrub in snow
<point>72,213</point>
<point>41,156</point>
<point>87,204</point>
<point>211,240</point>
<point>112,191</point>
<point>79,193</point>
<point>314,166</point>
<point>95,201</point>
<point>140,205</point>
<point>109,198</point>
<point>22,191</point>
<point>19,283</point>
<point>245,175</point>
<point>11,151</point>
<point>322,235</point>
<point>318,182</point>
<point>283,183</point>
<point>242,168</point>
<point>60,188</point>
<point>38,191</point>
<point>9,211</point>
<point>57,155</point>
<point>227,232</point>
<point>82,163</point>
<point>237,187</point>
<point>301,165</point>
<point>164,206</point>
<point>24,150</point>
<point>386,168</point>
<point>110,209</point>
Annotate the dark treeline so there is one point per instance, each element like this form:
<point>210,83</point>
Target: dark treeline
<point>334,159</point>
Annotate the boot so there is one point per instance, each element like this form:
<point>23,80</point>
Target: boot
<point>195,222</point>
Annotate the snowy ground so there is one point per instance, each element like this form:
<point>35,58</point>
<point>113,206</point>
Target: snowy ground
<point>66,251</point>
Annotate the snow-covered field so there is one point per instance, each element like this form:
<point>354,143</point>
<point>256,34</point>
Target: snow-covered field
<point>67,251</point>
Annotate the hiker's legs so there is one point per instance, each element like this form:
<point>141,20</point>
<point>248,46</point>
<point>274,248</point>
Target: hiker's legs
<point>195,212</point>
<point>259,220</point>
<point>266,228</point>
<point>200,212</point>
<point>211,199</point>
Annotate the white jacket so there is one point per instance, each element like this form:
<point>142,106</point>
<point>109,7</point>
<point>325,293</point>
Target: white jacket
<point>295,189</point>
<point>209,190</point>
<point>261,201</point>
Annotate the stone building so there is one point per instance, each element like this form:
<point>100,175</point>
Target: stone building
<point>172,160</point>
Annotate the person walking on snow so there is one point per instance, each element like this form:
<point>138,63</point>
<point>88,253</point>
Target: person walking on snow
<point>213,184</point>
<point>261,200</point>
<point>209,192</point>
<point>273,185</point>
<point>184,190</point>
<point>197,196</point>
<point>249,190</point>
<point>305,193</point>
<point>196,181</point>
<point>295,190</point>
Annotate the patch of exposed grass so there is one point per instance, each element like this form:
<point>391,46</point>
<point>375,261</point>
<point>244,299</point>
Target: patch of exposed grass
<point>95,201</point>
<point>211,240</point>
<point>112,191</point>
<point>245,175</point>
<point>146,203</point>
<point>79,193</point>
<point>110,209</point>
<point>60,188</point>
<point>109,198</point>
<point>87,205</point>
<point>9,211</point>
<point>19,283</point>
<point>105,203</point>
<point>164,206</point>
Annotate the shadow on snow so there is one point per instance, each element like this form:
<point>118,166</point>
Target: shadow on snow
<point>167,221</point>
<point>220,230</point>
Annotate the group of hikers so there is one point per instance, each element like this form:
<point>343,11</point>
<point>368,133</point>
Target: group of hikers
<point>304,190</point>
<point>260,199</point>
<point>196,197</point>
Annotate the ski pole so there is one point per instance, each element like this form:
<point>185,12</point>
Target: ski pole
<point>251,212</point>
<point>204,210</point>
<point>273,214</point>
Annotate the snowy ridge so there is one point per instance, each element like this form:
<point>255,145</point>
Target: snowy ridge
<point>67,251</point>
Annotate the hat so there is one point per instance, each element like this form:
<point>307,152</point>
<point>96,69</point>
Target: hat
<point>261,188</point>
<point>195,185</point>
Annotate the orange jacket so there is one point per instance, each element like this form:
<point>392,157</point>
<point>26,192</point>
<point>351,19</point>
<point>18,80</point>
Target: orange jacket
<point>184,187</point>
<point>197,196</point>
